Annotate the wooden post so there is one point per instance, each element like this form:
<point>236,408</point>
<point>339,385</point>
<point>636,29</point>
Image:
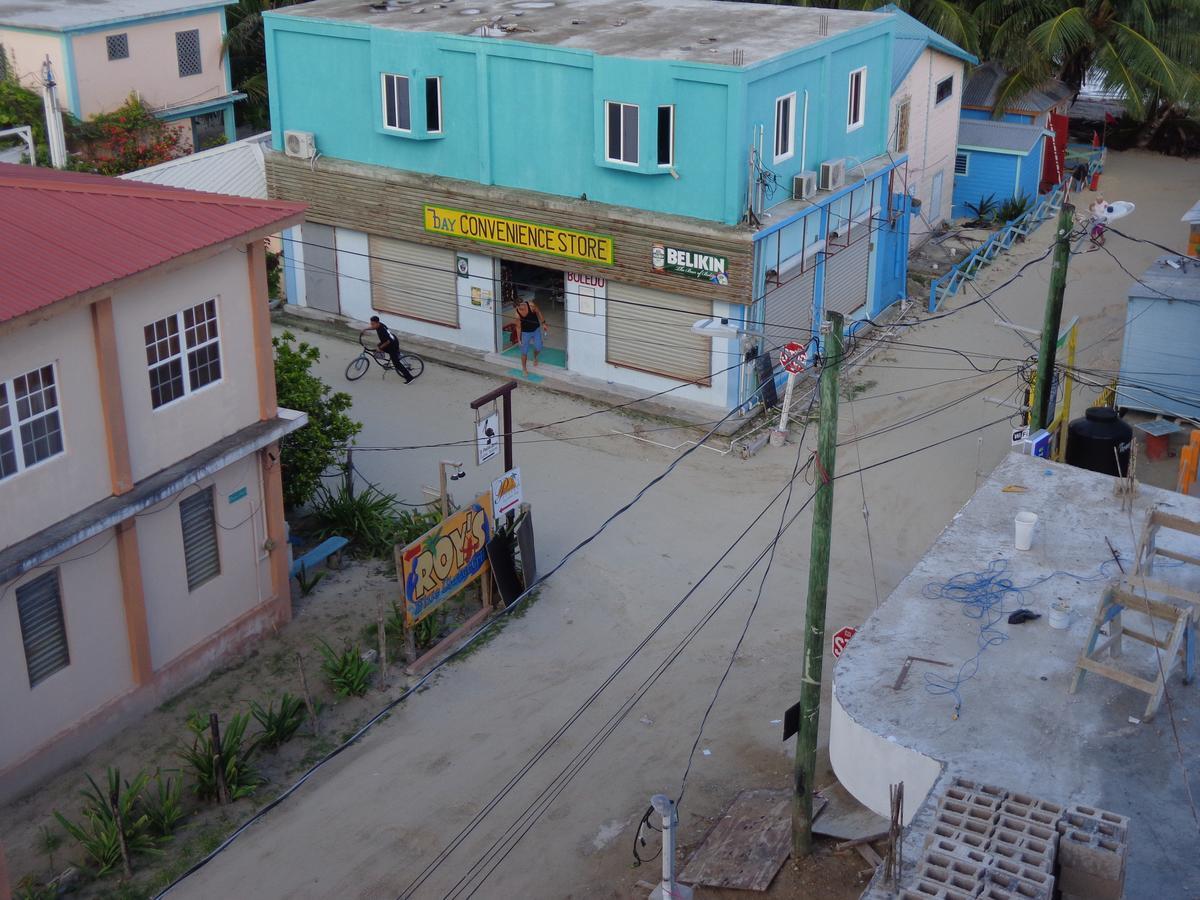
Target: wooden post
<point>818,589</point>
<point>308,700</point>
<point>348,479</point>
<point>383,662</point>
<point>1043,387</point>
<point>114,801</point>
<point>410,643</point>
<point>214,728</point>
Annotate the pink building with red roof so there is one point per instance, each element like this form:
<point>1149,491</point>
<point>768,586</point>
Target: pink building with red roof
<point>142,538</point>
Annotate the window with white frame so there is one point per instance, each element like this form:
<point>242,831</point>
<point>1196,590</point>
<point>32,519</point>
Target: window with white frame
<point>201,558</point>
<point>396,112</point>
<point>856,106</point>
<point>183,353</point>
<point>785,127</point>
<point>43,628</point>
<point>960,163</point>
<point>433,105</point>
<point>621,132</point>
<point>666,135</point>
<point>30,425</point>
<point>944,89</point>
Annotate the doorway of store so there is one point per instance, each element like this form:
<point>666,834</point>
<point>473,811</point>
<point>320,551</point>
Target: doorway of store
<point>545,287</point>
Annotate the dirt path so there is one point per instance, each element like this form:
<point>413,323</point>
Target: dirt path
<point>372,820</point>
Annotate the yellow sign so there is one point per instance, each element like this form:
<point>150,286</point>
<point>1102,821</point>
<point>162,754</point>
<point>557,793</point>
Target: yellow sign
<point>578,245</point>
<point>444,560</point>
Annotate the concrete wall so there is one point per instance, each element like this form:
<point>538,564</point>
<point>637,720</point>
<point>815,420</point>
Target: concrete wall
<point>26,50</point>
<point>179,620</point>
<point>99,669</point>
<point>152,68</point>
<point>932,135</point>
<point>77,477</point>
<point>163,436</point>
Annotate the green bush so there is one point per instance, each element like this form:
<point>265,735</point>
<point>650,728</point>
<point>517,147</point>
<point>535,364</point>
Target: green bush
<point>306,453</point>
<point>163,806</point>
<point>1013,208</point>
<point>236,755</point>
<point>278,725</point>
<point>368,519</point>
<point>984,210</point>
<point>348,674</point>
<point>98,834</point>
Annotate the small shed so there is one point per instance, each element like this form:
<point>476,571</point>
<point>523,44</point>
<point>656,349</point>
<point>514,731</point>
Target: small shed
<point>1001,159</point>
<point>1192,219</point>
<point>1160,365</point>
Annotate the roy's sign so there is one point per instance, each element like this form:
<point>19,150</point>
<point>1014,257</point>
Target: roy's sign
<point>563,242</point>
<point>445,559</point>
<point>690,264</point>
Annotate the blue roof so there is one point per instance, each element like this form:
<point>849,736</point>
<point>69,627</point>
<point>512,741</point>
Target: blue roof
<point>911,39</point>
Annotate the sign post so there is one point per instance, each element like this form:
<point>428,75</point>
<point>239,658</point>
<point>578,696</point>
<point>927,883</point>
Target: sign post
<point>792,357</point>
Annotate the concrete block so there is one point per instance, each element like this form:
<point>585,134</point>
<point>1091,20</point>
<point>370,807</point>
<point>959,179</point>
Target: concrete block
<point>1026,827</point>
<point>951,847</point>
<point>998,850</point>
<point>1030,813</point>
<point>1093,853</point>
<point>1037,803</point>
<point>990,789</point>
<point>1010,869</point>
<point>1078,883</point>
<point>952,872</point>
<point>1006,884</point>
<point>968,823</point>
<point>980,807</point>
<point>1003,837</point>
<point>1104,815</point>
<point>929,890</point>
<point>1115,828</point>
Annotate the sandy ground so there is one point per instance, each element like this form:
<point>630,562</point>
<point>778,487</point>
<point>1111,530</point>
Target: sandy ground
<point>377,818</point>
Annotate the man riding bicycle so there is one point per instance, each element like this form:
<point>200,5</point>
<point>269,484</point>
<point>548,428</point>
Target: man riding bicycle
<point>389,345</point>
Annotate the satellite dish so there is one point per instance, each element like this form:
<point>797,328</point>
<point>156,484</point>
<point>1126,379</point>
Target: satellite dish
<point>1118,210</point>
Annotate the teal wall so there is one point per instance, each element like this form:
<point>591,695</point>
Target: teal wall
<point>529,116</point>
<point>986,115</point>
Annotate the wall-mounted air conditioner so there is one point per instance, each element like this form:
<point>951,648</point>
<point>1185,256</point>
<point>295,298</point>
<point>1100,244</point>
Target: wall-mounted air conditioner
<point>299,144</point>
<point>833,174</point>
<point>804,185</point>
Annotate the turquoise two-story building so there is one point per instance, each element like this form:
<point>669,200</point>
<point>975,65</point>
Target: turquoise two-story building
<point>637,168</point>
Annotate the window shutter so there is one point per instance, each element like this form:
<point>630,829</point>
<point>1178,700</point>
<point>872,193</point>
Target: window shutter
<point>200,554</point>
<point>43,631</point>
<point>652,331</point>
<point>414,280</point>
<point>187,51</point>
<point>846,273</point>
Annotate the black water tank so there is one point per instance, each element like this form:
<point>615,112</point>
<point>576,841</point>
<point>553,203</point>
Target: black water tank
<point>1092,439</point>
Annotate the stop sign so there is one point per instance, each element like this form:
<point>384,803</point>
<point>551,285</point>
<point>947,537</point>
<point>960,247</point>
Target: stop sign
<point>792,357</point>
<point>840,639</point>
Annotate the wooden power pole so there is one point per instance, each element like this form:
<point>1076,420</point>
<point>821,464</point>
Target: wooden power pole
<point>1043,388</point>
<point>818,590</point>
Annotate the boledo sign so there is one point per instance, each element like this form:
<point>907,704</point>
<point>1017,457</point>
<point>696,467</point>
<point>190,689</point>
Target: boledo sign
<point>445,559</point>
<point>690,264</point>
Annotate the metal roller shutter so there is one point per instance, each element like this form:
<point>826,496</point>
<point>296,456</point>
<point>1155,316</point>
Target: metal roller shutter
<point>846,273</point>
<point>788,308</point>
<point>39,608</point>
<point>652,331</point>
<point>200,554</point>
<point>414,280</point>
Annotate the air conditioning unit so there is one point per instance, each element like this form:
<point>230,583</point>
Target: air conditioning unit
<point>833,174</point>
<point>300,144</point>
<point>804,185</point>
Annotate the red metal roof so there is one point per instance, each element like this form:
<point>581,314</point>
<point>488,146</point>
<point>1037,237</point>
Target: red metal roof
<point>62,233</point>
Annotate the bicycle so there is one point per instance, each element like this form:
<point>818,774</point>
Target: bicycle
<point>360,364</point>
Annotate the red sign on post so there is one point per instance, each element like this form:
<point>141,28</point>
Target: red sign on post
<point>840,639</point>
<point>793,357</point>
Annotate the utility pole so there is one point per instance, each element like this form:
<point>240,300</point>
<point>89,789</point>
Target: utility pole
<point>818,590</point>
<point>1044,386</point>
<point>54,125</point>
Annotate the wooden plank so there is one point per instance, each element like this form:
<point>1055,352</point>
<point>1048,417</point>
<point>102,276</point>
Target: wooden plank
<point>747,846</point>
<point>1174,522</point>
<point>1175,554</point>
<point>1141,684</point>
<point>1132,593</point>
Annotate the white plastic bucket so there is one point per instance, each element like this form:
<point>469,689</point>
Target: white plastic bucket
<point>1024,529</point>
<point>1060,615</point>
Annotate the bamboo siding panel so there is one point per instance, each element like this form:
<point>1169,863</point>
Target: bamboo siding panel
<point>390,202</point>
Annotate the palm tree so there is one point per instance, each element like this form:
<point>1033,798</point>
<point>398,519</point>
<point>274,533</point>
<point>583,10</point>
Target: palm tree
<point>247,49</point>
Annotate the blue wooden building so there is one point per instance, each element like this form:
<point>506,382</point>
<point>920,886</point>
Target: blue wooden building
<point>636,167</point>
<point>996,159</point>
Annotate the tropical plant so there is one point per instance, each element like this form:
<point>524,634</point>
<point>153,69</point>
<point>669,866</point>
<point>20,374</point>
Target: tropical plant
<point>348,674</point>
<point>983,210</point>
<point>163,805</point>
<point>129,138</point>
<point>412,523</point>
<point>236,754</point>
<point>1013,208</point>
<point>367,517</point>
<point>308,583</point>
<point>49,840</point>
<point>109,816</point>
<point>306,453</point>
<point>426,631</point>
<point>278,725</point>
<point>29,888</point>
<point>246,46</point>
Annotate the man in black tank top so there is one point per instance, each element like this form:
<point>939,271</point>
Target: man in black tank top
<point>533,326</point>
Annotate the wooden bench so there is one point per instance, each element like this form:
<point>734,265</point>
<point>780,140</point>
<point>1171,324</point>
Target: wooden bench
<point>324,551</point>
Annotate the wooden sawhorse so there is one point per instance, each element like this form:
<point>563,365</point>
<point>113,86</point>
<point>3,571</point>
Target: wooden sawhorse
<point>1180,641</point>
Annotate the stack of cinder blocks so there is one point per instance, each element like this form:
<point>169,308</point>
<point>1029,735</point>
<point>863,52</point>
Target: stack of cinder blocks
<point>990,843</point>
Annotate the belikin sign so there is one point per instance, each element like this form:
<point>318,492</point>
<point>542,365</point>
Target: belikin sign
<point>445,559</point>
<point>690,264</point>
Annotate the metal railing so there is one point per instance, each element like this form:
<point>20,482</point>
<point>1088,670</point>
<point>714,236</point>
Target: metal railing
<point>1047,205</point>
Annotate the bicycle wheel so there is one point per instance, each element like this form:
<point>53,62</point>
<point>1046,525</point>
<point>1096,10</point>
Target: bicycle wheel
<point>358,367</point>
<point>413,363</point>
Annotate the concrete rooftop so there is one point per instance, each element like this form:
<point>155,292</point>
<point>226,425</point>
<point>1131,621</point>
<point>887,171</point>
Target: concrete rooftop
<point>705,31</point>
<point>1018,727</point>
<point>64,15</point>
